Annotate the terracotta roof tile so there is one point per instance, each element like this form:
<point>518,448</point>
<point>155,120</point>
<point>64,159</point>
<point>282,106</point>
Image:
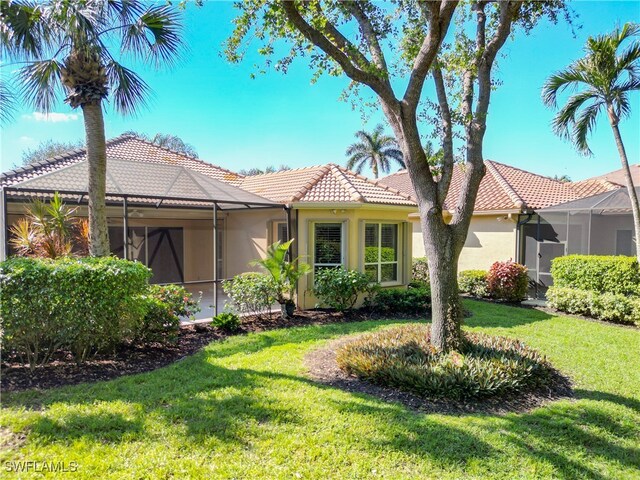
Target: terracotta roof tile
<point>508,188</point>
<point>326,183</point>
<point>127,147</point>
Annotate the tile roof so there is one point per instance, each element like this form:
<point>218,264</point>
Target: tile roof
<point>617,176</point>
<point>508,188</point>
<point>127,147</point>
<point>323,184</point>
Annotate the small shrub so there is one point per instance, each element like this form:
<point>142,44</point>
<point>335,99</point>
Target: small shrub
<point>251,293</point>
<point>474,282</point>
<point>226,321</point>
<point>603,274</point>
<point>397,300</point>
<point>339,288</point>
<point>603,306</point>
<point>403,357</point>
<point>85,305</point>
<point>165,305</point>
<point>508,281</point>
<point>420,271</point>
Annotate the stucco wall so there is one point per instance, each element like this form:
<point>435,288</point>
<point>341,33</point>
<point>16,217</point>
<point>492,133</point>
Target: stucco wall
<point>353,252</point>
<point>488,240</point>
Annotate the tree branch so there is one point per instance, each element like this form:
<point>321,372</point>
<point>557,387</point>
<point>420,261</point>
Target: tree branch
<point>369,33</point>
<point>447,135</point>
<point>348,64</point>
<point>440,14</point>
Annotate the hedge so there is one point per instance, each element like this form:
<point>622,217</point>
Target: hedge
<point>473,282</point>
<point>603,274</point>
<point>612,307</point>
<point>85,305</point>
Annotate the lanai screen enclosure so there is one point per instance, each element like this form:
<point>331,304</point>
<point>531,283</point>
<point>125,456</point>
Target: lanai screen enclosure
<point>138,190</point>
<point>597,225</point>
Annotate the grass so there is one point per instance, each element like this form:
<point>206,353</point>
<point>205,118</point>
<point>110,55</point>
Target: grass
<point>244,409</point>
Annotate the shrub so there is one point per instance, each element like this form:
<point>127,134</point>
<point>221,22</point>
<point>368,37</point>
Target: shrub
<point>508,281</point>
<point>403,357</point>
<point>397,300</point>
<point>474,282</point>
<point>339,288</point>
<point>420,270</point>
<point>603,274</point>
<point>165,304</point>
<point>604,306</point>
<point>251,293</point>
<point>86,305</point>
<point>226,321</point>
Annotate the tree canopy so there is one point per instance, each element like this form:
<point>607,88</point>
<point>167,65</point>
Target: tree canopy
<point>47,149</point>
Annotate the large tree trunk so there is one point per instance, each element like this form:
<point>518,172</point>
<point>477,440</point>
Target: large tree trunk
<point>635,208</point>
<point>97,164</point>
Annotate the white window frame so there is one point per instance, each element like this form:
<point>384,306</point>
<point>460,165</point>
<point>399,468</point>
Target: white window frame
<point>275,226</point>
<point>343,243</point>
<point>399,261</point>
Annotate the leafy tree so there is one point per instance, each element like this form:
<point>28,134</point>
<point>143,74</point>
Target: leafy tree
<point>167,140</point>
<point>390,50</point>
<point>71,46</point>
<point>259,171</point>
<point>375,150</point>
<point>47,149</point>
<point>562,178</point>
<point>602,81</point>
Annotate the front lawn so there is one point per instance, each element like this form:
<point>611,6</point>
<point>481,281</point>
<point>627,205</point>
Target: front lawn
<point>244,409</point>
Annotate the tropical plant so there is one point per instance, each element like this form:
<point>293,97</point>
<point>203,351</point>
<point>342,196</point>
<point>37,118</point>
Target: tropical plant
<point>49,230</point>
<point>340,288</point>
<point>167,140</point>
<point>47,149</point>
<point>603,78</point>
<point>285,273</point>
<point>260,171</point>
<point>375,150</point>
<point>71,45</point>
<point>251,293</point>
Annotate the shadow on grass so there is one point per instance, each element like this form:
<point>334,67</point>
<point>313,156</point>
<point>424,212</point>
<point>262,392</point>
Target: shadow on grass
<point>492,315</point>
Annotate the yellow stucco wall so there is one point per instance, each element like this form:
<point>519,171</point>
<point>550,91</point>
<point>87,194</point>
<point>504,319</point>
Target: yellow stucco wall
<point>489,240</point>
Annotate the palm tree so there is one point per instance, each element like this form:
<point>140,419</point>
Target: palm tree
<point>71,46</point>
<point>375,150</point>
<point>601,81</point>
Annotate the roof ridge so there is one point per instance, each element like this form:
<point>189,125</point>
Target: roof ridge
<point>175,152</point>
<point>506,186</point>
<point>56,158</point>
<point>526,171</point>
<point>355,195</point>
<point>379,183</point>
<point>311,183</point>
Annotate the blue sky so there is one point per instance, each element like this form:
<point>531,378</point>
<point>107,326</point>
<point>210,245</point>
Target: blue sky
<point>238,122</point>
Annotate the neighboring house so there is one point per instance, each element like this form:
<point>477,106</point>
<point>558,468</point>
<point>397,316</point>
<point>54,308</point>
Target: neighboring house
<point>505,215</point>
<point>166,203</point>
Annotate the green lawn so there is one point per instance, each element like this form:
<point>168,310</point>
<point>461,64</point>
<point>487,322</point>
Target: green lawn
<point>244,409</point>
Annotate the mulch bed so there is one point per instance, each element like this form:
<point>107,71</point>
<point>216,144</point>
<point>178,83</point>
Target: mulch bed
<point>323,368</point>
<point>63,370</point>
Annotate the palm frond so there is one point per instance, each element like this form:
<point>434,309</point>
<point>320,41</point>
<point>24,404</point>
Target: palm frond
<point>570,78</point>
<point>41,83</point>
<point>583,126</point>
<point>356,148</point>
<point>629,60</point>
<point>365,137</point>
<point>7,102</point>
<point>23,34</point>
<point>128,89</point>
<point>396,155</point>
<point>566,116</point>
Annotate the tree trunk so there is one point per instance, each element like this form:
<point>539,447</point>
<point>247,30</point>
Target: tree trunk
<point>633,197</point>
<point>97,164</point>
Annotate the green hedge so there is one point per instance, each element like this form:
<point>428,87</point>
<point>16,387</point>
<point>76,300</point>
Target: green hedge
<point>402,300</point>
<point>612,307</point>
<point>474,282</point>
<point>602,274</point>
<point>85,305</point>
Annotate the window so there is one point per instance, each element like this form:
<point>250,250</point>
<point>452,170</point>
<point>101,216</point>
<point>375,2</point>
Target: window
<point>328,245</point>
<point>381,252</point>
<point>624,242</point>
<point>279,232</point>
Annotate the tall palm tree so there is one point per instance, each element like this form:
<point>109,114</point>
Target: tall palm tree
<point>376,150</point>
<point>601,81</point>
<point>70,47</point>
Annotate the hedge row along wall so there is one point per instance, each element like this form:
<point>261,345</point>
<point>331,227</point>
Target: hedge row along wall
<point>602,274</point>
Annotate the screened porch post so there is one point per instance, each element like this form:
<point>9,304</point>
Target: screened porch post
<point>125,217</point>
<point>215,259</point>
<point>589,234</point>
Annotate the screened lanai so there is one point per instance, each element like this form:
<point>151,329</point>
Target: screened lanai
<point>168,217</point>
<point>598,225</point>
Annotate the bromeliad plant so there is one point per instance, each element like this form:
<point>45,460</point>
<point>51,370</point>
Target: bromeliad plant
<point>49,230</point>
<point>285,274</point>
